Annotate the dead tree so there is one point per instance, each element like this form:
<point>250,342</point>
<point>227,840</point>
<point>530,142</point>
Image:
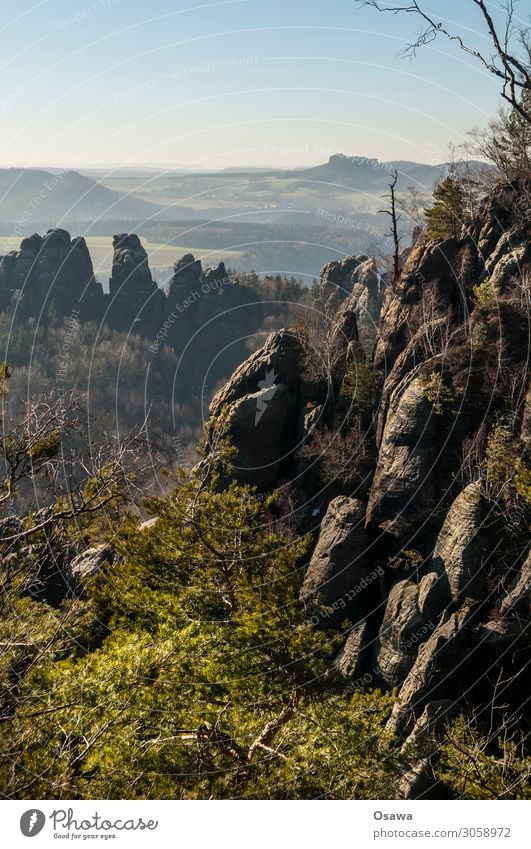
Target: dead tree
<point>505,63</point>
<point>395,218</point>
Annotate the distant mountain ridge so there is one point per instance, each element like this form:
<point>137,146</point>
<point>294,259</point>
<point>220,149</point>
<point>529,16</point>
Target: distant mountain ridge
<point>35,194</point>
<point>348,185</point>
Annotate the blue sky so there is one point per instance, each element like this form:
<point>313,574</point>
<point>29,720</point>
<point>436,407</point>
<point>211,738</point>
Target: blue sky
<point>243,82</point>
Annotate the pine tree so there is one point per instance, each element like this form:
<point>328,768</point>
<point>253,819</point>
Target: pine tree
<point>445,217</point>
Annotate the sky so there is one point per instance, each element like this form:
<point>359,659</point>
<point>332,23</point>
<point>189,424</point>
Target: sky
<point>233,83</point>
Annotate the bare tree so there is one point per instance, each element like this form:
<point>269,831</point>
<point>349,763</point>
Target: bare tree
<point>509,65</point>
<point>395,218</point>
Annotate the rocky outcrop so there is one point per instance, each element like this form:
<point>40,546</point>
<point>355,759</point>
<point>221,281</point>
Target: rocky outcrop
<point>259,409</point>
<point>433,622</point>
<point>460,546</point>
<point>432,280</point>
<point>87,564</point>
<point>52,275</point>
<point>135,297</point>
<point>350,660</point>
<point>403,629</point>
<point>402,494</point>
<point>339,568</point>
<point>366,295</point>
<point>439,672</point>
<point>501,233</point>
<point>343,340</point>
<point>336,281</point>
<point>51,272</point>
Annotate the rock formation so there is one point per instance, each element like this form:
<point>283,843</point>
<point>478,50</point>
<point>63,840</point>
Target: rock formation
<point>259,409</point>
<point>445,528</point>
<point>51,272</point>
<point>135,297</point>
<point>339,567</point>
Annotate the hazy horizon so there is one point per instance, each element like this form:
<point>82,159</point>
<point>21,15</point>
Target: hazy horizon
<point>234,83</point>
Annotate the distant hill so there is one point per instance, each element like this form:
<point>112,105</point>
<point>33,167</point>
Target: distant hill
<point>371,174</point>
<point>28,195</point>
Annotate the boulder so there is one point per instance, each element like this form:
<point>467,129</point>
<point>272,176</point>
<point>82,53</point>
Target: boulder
<point>88,563</point>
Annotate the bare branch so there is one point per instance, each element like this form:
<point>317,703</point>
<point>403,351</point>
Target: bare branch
<point>514,72</point>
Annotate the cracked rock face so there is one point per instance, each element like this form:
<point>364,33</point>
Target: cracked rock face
<point>440,670</point>
<point>403,629</point>
<point>339,570</point>
<point>403,491</point>
<point>461,543</point>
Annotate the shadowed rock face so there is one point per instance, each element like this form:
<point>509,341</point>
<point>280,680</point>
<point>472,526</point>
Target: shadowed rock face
<point>439,671</point>
<point>261,410</point>
<point>350,660</point>
<point>51,272</point>
<point>339,567</point>
<point>403,629</point>
<point>135,297</point>
<point>517,602</point>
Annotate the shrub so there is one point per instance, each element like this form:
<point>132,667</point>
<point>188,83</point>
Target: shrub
<point>485,294</point>
<point>437,392</point>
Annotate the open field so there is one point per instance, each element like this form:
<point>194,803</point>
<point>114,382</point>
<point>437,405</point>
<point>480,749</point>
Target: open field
<point>160,255</point>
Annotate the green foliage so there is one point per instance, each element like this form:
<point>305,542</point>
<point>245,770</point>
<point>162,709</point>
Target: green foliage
<point>4,376</point>
<point>485,294</point>
<point>189,671</point>
<point>358,385</point>
<point>438,393</point>
<point>445,218</point>
<point>475,766</point>
<point>522,480</point>
<point>504,464</point>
